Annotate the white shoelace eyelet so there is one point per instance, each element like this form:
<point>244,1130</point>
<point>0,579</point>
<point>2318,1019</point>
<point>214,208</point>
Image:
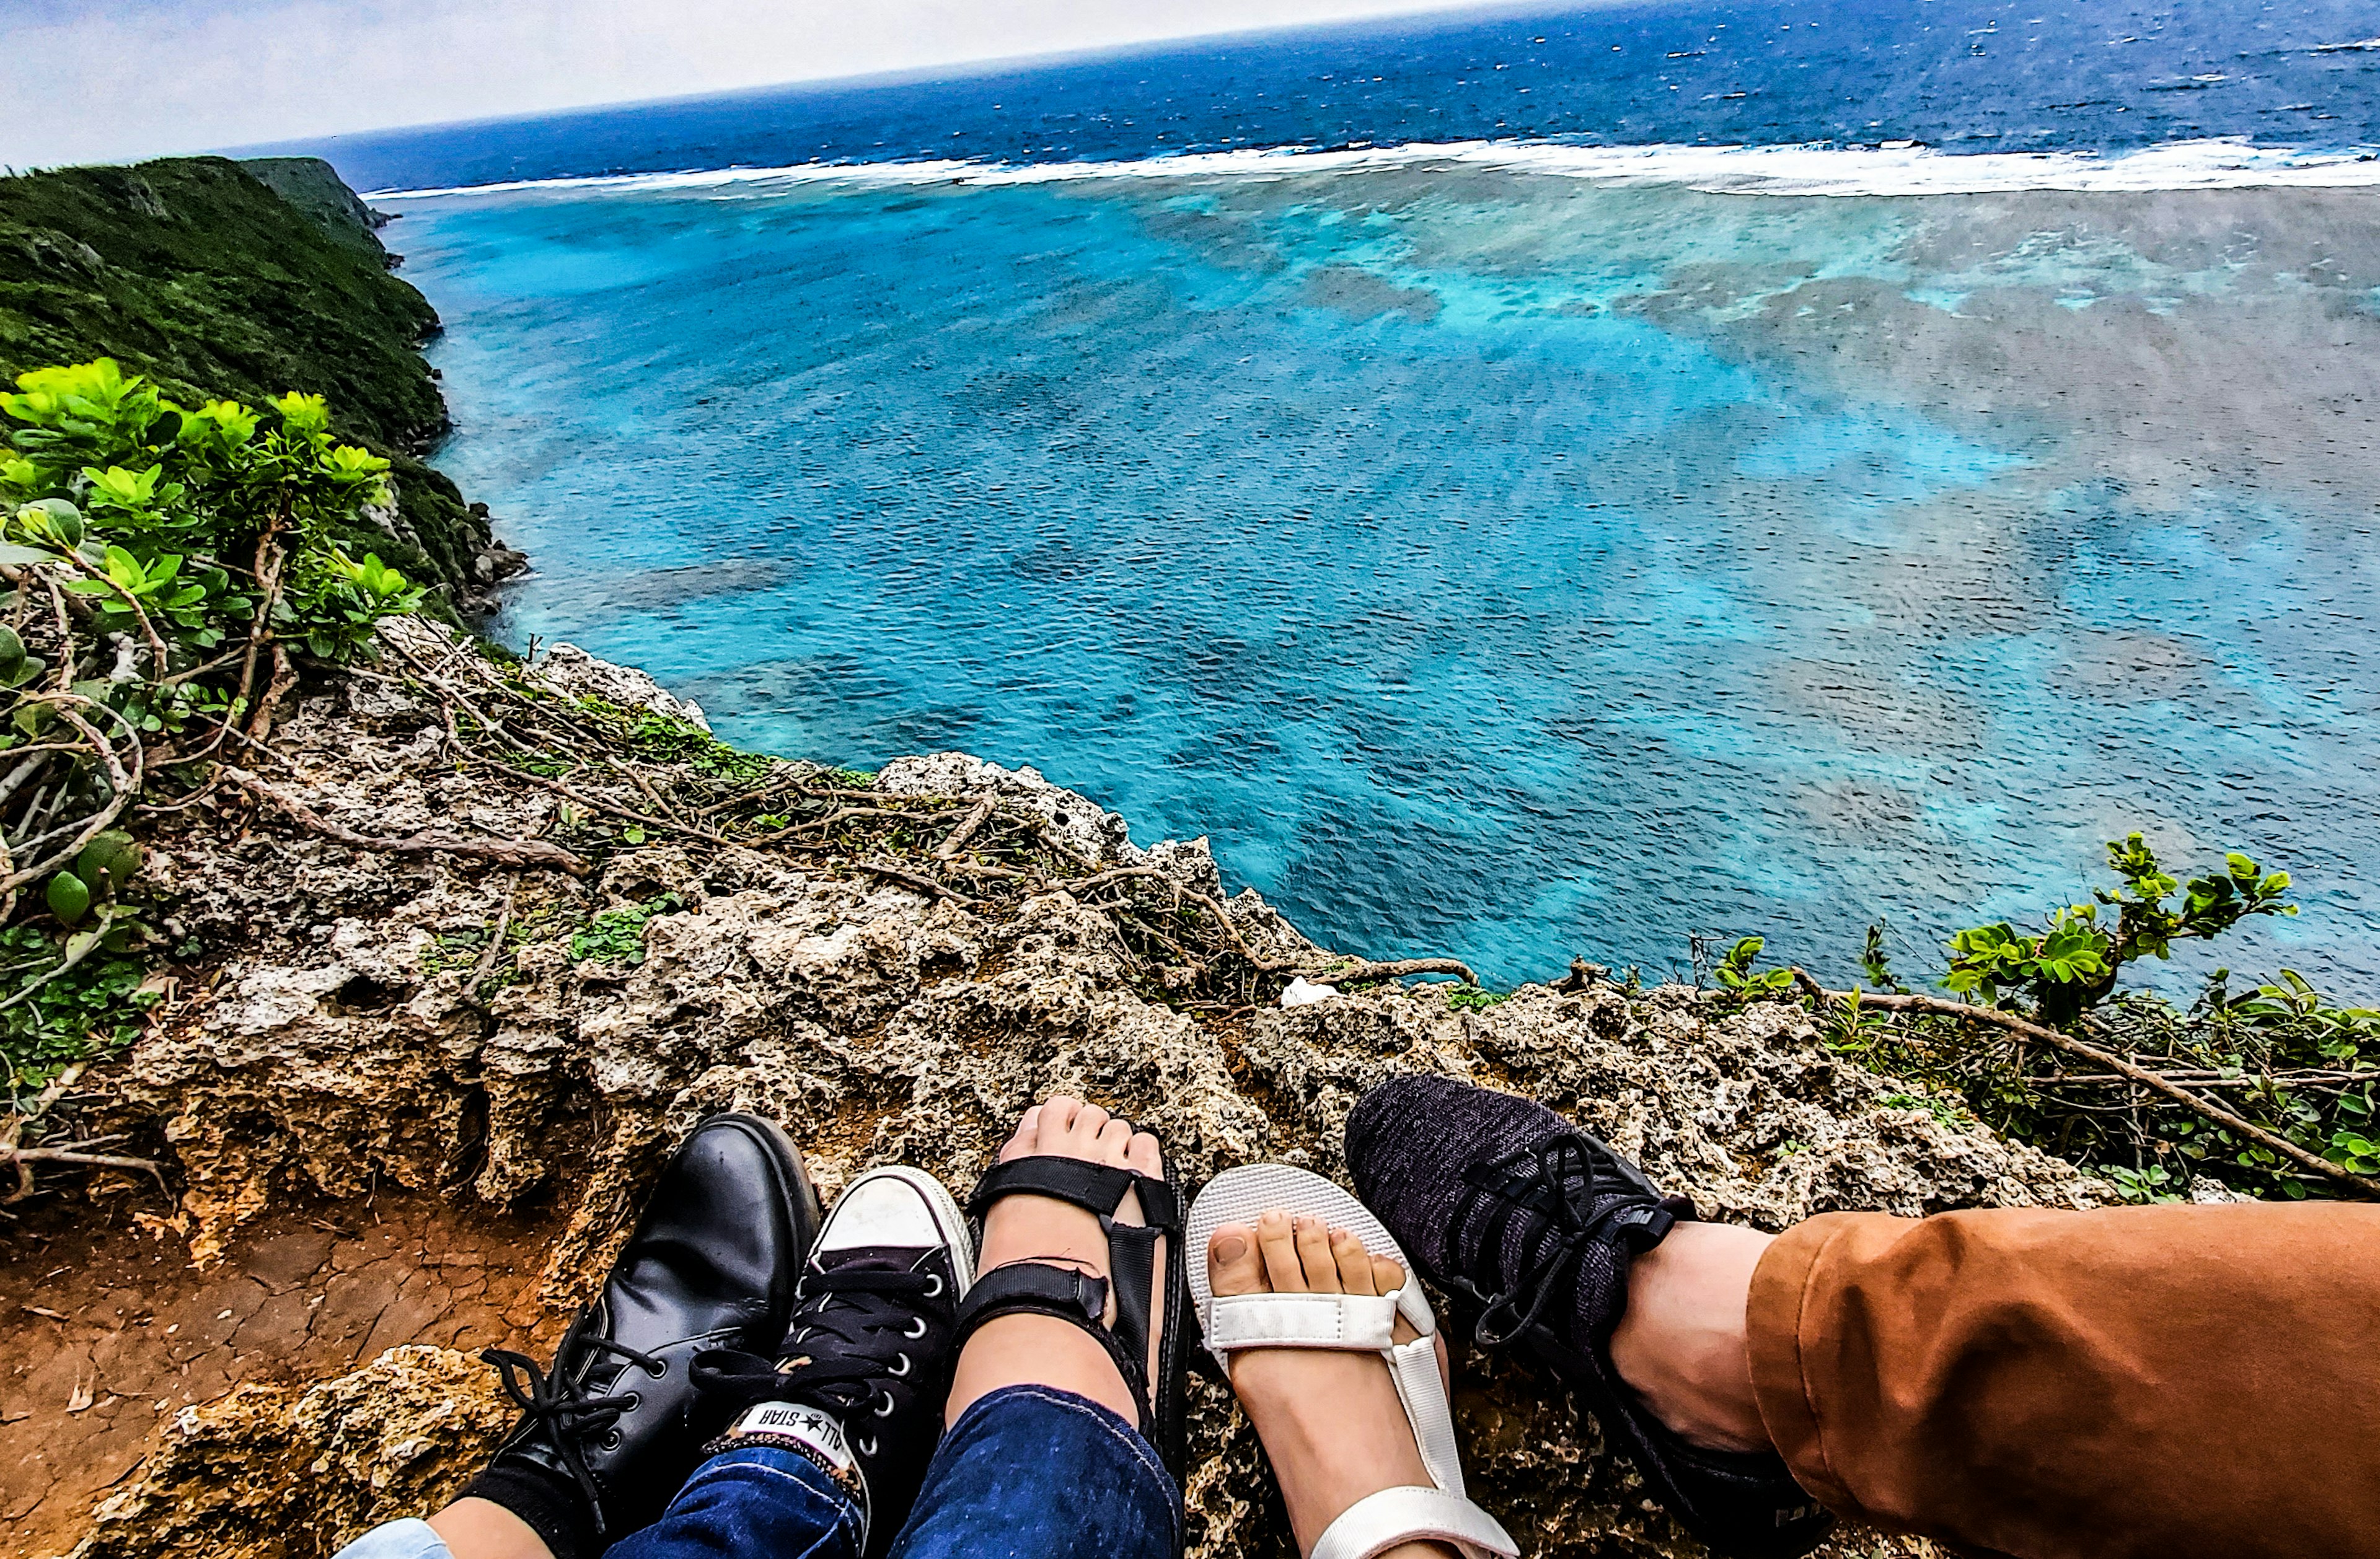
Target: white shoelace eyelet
<point>936,1279</point>
<point>917,1328</point>
<point>902,1369</point>
<point>887,1411</point>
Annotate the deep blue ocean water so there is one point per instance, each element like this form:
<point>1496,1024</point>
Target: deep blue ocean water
<point>1509,551</point>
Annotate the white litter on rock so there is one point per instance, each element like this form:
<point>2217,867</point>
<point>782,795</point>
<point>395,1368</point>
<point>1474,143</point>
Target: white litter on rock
<point>1302,991</point>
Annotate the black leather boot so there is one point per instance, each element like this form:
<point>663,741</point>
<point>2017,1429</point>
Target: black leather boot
<point>608,1436</point>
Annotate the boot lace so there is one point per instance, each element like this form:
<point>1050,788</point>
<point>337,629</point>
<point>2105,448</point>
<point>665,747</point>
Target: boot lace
<point>858,1330</point>
<point>559,1407</point>
<point>1560,1179</point>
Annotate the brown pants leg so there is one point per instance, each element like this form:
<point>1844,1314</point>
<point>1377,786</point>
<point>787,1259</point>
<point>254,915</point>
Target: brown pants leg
<point>2153,1381</point>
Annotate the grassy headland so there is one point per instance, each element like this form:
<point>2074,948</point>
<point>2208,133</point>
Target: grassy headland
<point>197,273</point>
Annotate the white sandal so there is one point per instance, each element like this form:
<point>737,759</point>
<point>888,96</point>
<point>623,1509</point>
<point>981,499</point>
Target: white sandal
<point>1353,1322</point>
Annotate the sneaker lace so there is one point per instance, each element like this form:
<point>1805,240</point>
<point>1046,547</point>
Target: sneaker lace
<point>844,1346</point>
<point>1559,1180</point>
<point>559,1407</point>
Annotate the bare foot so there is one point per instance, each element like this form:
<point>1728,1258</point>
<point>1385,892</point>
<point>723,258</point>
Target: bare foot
<point>1331,1422</point>
<point>1042,1349</point>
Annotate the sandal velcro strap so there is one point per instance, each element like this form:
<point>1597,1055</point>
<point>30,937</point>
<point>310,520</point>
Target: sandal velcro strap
<point>1095,1188</point>
<point>1381,1521</point>
<point>1338,1321</point>
<point>1036,1289</point>
<point>1065,1294</point>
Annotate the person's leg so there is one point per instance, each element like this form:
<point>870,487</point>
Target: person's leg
<point>1680,1341</point>
<point>1042,1349</point>
<point>2149,1380</point>
<point>1034,1470</point>
<point>1043,1455</point>
<point>1570,1255</point>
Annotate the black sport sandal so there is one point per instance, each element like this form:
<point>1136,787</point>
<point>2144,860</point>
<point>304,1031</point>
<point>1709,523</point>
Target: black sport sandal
<point>1534,1223</point>
<point>607,1435</point>
<point>1045,1288</point>
<point>857,1384</point>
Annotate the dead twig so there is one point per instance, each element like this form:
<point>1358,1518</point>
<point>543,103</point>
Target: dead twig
<point>662,824</point>
<point>1363,972</point>
<point>487,963</point>
<point>531,853</point>
<point>923,884</point>
<point>651,794</point>
<point>284,677</point>
<point>948,849</point>
<point>20,1157</point>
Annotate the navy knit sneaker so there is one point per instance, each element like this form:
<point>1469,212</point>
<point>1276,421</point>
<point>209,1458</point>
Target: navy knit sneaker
<point>1534,1223</point>
<point>858,1384</point>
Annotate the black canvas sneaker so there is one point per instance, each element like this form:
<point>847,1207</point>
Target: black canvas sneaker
<point>858,1384</point>
<point>609,1433</point>
<point>1533,1223</point>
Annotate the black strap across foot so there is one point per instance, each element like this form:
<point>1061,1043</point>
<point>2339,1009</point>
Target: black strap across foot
<point>1032,1288</point>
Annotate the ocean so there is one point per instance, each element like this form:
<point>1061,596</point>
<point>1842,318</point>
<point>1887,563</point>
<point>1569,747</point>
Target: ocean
<point>1524,484</point>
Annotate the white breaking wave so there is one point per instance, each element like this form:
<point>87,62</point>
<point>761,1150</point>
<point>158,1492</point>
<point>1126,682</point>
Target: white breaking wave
<point>2226,164</point>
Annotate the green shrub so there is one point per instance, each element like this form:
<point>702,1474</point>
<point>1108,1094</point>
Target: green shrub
<point>171,568</point>
<point>2281,1058</point>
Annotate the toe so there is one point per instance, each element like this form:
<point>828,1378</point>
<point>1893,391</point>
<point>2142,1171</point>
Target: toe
<point>1387,1276</point>
<point>1354,1264</point>
<point>1083,1133</point>
<point>1060,1113</point>
<point>1144,1154</point>
<point>1027,1133</point>
<point>1278,1243</point>
<point>1234,1265</point>
<point>1322,1269</point>
<point>1111,1140</point>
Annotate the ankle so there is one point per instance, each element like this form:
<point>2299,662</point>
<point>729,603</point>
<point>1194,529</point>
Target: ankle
<point>478,1527</point>
<point>1681,1344</point>
<point>1037,1351</point>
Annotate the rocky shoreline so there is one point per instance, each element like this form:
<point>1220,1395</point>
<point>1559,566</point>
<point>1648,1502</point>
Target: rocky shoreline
<point>524,1042</point>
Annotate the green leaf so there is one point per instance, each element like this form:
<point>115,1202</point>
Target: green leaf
<point>14,556</point>
<point>108,862</point>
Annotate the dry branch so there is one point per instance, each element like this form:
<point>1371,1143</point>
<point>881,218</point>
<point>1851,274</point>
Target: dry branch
<point>530,852</point>
<point>948,849</point>
<point>924,885</point>
<point>1361,972</point>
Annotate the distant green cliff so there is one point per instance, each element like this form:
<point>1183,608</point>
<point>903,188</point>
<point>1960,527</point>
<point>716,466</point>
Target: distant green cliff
<point>218,281</point>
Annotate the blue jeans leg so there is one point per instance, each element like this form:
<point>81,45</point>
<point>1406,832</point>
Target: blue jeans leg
<point>759,1503</point>
<point>1032,1472</point>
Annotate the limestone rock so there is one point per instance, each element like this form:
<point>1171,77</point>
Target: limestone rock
<point>574,671</point>
<point>358,1029</point>
<point>230,1479</point>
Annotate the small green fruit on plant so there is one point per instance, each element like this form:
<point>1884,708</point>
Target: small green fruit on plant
<point>69,897</point>
<point>108,862</point>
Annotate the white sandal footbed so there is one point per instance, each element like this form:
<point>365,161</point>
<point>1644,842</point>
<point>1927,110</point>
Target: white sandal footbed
<point>1350,1322</point>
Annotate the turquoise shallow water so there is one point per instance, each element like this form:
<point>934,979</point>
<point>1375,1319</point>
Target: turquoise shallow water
<point>1493,563</point>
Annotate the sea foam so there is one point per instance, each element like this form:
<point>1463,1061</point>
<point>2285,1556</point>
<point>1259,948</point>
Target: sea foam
<point>2218,163</point>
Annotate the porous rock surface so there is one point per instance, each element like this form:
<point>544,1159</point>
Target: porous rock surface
<point>344,1043</point>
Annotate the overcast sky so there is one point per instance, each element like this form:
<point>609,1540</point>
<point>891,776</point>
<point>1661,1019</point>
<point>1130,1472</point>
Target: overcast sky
<point>93,80</point>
